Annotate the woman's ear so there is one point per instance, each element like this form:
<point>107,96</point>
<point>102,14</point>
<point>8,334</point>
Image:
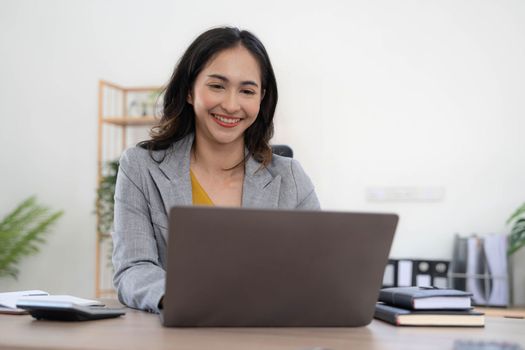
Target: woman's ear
<point>189,98</point>
<point>262,94</point>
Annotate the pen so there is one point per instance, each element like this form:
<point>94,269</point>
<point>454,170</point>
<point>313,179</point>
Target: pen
<point>513,316</point>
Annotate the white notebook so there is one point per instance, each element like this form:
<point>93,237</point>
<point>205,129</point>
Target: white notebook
<point>63,299</point>
<point>8,300</point>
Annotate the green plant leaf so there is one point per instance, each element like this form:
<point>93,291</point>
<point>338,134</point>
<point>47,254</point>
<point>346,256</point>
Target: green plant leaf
<point>104,204</point>
<point>516,214</point>
<point>21,233</point>
<point>517,236</point>
<point>13,218</point>
<point>21,221</point>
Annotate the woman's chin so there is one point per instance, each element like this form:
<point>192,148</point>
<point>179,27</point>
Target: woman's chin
<point>227,138</point>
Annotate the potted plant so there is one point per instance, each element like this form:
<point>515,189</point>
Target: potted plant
<point>516,242</point>
<point>105,197</point>
<point>21,233</point>
<point>105,204</point>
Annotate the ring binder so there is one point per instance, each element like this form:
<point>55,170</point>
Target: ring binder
<point>480,266</point>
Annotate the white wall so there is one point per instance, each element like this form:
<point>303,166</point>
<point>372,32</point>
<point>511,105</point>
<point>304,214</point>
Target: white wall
<point>372,93</point>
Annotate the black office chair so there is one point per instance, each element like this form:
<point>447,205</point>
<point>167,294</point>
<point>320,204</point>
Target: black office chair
<point>282,150</point>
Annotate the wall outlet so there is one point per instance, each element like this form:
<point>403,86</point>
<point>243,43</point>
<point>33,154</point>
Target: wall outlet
<point>405,194</point>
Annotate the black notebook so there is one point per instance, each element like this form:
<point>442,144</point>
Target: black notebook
<point>443,318</point>
<point>425,298</point>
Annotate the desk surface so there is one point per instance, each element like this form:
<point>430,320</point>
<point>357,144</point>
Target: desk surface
<point>140,330</point>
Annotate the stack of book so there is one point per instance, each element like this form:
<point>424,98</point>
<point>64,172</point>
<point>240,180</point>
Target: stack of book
<point>427,306</point>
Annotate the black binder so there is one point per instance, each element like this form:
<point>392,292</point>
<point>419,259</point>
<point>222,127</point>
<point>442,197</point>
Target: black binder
<point>423,272</point>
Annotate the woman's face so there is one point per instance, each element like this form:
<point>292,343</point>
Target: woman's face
<point>226,96</point>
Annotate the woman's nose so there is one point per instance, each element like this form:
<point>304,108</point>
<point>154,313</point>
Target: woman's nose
<point>230,103</point>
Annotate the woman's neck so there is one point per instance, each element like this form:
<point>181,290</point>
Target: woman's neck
<point>217,159</point>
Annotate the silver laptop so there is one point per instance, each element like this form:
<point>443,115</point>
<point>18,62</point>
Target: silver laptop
<point>270,268</point>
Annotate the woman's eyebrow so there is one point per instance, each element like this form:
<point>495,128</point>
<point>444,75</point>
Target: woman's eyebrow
<point>226,80</point>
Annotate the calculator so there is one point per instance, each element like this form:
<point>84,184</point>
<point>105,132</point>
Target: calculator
<point>66,311</point>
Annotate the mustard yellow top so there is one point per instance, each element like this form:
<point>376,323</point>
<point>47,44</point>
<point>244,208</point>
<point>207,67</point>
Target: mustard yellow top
<point>198,194</point>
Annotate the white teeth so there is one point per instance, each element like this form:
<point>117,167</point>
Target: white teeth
<point>226,120</point>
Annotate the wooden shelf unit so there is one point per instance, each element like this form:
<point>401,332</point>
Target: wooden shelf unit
<point>117,130</point>
<point>126,121</point>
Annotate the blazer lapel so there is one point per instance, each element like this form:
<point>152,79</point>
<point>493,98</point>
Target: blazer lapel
<point>260,188</point>
<point>175,187</point>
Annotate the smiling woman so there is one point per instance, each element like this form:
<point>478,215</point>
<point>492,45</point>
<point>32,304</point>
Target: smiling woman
<point>211,147</point>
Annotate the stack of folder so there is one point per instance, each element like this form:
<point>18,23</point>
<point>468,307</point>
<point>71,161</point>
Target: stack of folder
<point>427,306</point>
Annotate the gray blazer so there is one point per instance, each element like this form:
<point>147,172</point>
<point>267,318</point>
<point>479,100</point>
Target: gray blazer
<point>145,192</point>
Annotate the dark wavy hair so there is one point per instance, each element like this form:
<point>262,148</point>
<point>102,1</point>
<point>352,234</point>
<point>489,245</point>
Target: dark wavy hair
<point>178,116</point>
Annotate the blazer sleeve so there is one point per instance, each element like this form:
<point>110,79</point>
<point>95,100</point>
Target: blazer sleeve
<point>306,196</point>
<point>139,277</point>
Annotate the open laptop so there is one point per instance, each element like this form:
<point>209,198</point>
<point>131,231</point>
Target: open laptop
<point>270,268</point>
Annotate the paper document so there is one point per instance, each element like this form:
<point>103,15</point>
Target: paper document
<point>9,299</point>
<point>63,299</point>
<point>404,273</point>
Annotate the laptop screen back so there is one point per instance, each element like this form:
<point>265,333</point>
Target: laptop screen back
<point>251,267</point>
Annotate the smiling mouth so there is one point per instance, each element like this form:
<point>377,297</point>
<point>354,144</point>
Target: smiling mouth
<point>228,122</point>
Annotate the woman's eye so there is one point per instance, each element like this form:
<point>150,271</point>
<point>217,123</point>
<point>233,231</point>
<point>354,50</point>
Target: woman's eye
<point>216,86</point>
<point>248,92</point>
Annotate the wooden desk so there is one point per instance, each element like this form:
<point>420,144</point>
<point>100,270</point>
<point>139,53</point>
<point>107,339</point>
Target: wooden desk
<point>140,330</point>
